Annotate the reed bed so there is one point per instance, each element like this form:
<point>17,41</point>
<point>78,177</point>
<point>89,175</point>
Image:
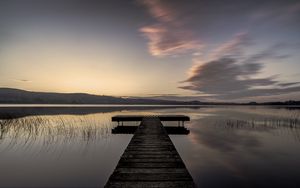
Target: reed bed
<point>49,133</point>
<point>280,125</point>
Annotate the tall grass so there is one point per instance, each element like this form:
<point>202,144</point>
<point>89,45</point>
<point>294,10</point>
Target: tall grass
<point>49,133</point>
<point>288,124</point>
<point>291,122</point>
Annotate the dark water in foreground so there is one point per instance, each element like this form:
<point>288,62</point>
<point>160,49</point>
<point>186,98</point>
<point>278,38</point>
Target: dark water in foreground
<point>73,147</point>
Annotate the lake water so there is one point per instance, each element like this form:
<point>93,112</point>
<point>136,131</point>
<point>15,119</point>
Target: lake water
<point>228,146</point>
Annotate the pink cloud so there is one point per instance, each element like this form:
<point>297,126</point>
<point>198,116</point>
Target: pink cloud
<point>168,36</point>
<point>233,47</point>
<point>164,41</point>
<point>159,10</point>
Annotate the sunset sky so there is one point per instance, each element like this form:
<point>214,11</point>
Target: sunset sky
<point>208,50</point>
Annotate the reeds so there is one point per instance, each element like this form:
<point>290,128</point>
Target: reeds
<point>48,133</point>
<point>291,122</point>
<point>280,125</point>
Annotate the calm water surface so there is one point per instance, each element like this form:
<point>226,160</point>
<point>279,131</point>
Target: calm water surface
<point>228,146</point>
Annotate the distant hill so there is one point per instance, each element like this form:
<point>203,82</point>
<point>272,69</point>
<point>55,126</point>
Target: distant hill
<point>17,96</point>
<point>289,103</point>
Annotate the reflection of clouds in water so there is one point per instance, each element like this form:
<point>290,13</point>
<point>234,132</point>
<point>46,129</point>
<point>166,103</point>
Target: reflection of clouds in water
<point>46,133</point>
<point>217,154</point>
<point>221,139</point>
<point>229,129</point>
<point>222,150</point>
<point>250,112</point>
<point>276,126</point>
<point>240,148</point>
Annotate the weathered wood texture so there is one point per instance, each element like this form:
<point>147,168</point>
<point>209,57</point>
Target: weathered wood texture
<point>121,118</point>
<point>150,160</point>
<point>131,130</point>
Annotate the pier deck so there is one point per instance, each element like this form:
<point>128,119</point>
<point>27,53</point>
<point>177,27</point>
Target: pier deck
<point>150,160</point>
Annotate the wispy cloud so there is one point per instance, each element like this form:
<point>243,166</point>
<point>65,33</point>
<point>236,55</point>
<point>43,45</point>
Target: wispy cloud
<point>160,10</point>
<point>234,47</point>
<point>168,36</point>
<point>165,41</point>
<point>176,97</point>
<point>284,13</point>
<point>22,80</point>
<point>230,73</point>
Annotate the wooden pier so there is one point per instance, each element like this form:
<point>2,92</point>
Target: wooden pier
<point>151,159</point>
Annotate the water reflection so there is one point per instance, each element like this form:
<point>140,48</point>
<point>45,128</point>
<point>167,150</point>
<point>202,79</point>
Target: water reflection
<point>7,112</point>
<point>243,147</point>
<point>227,146</point>
<point>49,133</point>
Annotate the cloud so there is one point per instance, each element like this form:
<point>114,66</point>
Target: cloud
<point>160,10</point>
<point>178,97</point>
<point>168,36</point>
<point>165,41</point>
<point>233,47</point>
<point>22,80</point>
<point>231,70</point>
<point>280,12</point>
<point>288,84</point>
<point>231,74</point>
<point>252,93</point>
<point>224,77</point>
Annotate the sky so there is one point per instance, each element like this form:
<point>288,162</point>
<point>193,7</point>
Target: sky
<point>207,50</point>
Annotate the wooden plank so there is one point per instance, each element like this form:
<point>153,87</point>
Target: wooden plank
<point>150,160</point>
<point>150,165</point>
<point>151,170</point>
<point>160,117</point>
<point>156,184</point>
<point>150,156</point>
<point>150,177</point>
